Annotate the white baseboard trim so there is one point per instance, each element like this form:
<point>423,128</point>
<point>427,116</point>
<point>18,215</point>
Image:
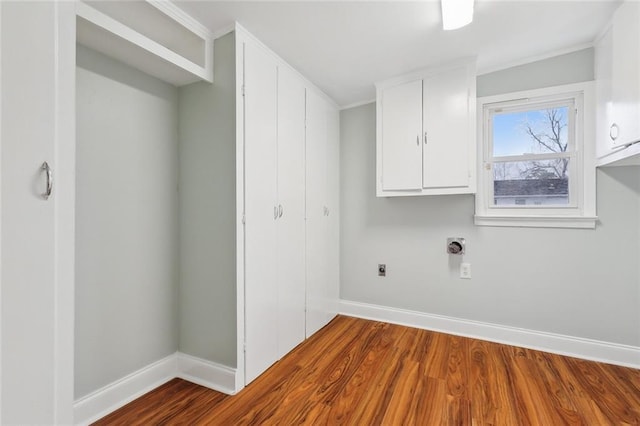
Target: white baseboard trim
<point>206,373</point>
<point>98,404</point>
<point>594,350</point>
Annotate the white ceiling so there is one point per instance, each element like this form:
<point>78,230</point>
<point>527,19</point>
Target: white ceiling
<point>344,47</point>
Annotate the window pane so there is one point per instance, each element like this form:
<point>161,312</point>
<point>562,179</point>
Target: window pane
<point>531,183</point>
<point>539,131</point>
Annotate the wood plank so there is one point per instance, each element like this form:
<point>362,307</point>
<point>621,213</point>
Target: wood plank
<point>355,371</point>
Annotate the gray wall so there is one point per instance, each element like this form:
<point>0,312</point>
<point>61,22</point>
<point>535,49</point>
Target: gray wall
<point>583,283</point>
<point>207,298</point>
<point>564,69</point>
<point>126,221</point>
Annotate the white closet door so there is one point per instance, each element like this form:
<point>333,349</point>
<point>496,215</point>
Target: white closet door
<point>333,217</point>
<point>261,292</point>
<point>446,146</point>
<point>36,377</point>
<point>291,227</point>
<point>316,210</point>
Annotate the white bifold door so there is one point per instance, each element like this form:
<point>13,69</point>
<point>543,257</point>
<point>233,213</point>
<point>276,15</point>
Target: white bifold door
<point>322,178</point>
<point>291,229</point>
<point>274,210</point>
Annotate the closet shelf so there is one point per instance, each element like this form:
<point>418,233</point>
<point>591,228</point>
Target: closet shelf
<point>157,38</point>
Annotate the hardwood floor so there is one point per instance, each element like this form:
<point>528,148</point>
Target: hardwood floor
<point>358,372</point>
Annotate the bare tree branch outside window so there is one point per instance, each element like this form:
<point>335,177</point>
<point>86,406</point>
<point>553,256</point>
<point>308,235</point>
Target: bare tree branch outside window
<point>548,134</point>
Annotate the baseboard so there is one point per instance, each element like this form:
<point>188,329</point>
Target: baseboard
<point>206,373</point>
<point>98,404</point>
<point>594,350</point>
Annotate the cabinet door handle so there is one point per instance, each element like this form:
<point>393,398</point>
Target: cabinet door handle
<point>49,173</point>
<point>425,138</point>
<point>613,135</point>
<point>280,210</point>
<point>275,212</point>
<point>418,140</point>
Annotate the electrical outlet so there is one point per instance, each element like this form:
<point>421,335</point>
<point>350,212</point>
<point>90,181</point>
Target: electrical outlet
<point>465,271</point>
<point>382,270</point>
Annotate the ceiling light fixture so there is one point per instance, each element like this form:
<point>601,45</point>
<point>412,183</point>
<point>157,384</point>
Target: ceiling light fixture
<point>456,13</point>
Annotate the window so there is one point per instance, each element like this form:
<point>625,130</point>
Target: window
<point>537,162</point>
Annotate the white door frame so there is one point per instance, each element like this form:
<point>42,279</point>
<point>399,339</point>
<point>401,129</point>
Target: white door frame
<point>64,222</point>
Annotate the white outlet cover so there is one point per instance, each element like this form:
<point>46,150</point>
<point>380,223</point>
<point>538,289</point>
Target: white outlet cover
<point>465,271</point>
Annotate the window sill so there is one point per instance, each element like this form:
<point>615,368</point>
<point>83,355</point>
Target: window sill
<point>583,222</point>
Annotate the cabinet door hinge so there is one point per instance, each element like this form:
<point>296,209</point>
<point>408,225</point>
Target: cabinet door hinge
<point>243,90</point>
<point>244,219</point>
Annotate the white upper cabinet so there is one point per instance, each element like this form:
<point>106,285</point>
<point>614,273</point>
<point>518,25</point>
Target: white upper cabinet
<point>401,135</point>
<point>618,80</point>
<point>426,133</point>
<point>157,38</point>
<point>446,130</point>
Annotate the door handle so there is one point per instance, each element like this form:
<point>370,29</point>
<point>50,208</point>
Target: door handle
<point>614,135</point>
<point>280,210</point>
<point>275,212</point>
<point>49,174</point>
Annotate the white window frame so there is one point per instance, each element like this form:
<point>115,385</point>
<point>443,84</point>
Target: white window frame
<point>581,210</point>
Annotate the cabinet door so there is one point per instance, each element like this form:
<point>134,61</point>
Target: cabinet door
<point>603,74</point>
<point>447,132</point>
<point>401,117</point>
<point>261,292</point>
<point>291,225</point>
<point>626,74</point>
<point>316,195</point>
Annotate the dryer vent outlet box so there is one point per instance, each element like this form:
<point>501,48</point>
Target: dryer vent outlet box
<point>455,246</point>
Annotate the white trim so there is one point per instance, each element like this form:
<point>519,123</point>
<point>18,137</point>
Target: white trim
<point>64,210</point>
<point>624,155</point>
<point>531,59</point>
<point>183,18</point>
<point>1,210</point>
<point>98,404</point>
<point>589,349</point>
<point>206,373</point>
<point>423,73</point>
<point>537,221</point>
<point>357,104</point>
<point>240,278</point>
<point>115,395</point>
